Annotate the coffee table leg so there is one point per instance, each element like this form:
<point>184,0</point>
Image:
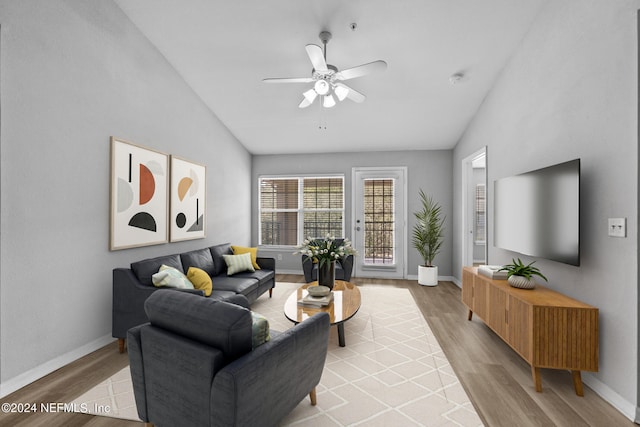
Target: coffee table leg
<point>341,334</point>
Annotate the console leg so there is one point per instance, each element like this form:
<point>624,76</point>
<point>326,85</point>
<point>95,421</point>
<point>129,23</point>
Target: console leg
<point>537,381</point>
<point>121,345</point>
<point>577,383</point>
<point>312,397</point>
<point>470,315</point>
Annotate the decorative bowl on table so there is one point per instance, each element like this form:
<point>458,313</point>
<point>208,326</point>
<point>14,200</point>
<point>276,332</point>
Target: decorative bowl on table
<point>318,291</point>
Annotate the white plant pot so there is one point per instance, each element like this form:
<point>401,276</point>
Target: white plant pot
<point>427,276</point>
<point>521,282</point>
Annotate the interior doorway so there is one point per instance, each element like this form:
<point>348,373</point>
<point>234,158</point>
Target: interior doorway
<point>474,208</point>
<point>379,216</point>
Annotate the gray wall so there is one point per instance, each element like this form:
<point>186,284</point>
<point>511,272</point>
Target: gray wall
<point>429,170</point>
<point>571,91</point>
<point>72,74</point>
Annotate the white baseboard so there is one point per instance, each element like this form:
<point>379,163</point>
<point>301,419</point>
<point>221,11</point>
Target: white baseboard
<point>627,408</point>
<point>46,368</point>
<point>440,278</point>
<point>298,272</point>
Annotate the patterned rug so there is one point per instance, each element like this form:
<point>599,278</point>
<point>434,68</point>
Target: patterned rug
<point>391,372</point>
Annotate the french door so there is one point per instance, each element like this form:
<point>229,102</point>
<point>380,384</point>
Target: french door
<point>379,222</point>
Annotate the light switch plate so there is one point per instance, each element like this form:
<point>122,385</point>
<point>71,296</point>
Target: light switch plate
<point>618,227</point>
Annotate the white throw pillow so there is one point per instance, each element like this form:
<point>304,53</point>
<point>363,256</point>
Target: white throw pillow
<point>238,263</point>
<point>169,277</point>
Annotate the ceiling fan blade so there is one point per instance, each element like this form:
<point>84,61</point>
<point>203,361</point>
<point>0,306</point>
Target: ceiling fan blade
<point>361,70</point>
<point>289,80</point>
<point>317,57</point>
<point>352,94</point>
<point>305,103</point>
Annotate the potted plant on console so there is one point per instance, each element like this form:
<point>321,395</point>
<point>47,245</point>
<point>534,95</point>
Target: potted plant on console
<point>427,238</point>
<point>520,275</point>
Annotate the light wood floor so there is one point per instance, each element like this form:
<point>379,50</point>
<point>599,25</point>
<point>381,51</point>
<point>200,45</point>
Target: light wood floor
<point>496,379</point>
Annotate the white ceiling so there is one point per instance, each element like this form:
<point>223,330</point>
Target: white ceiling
<point>223,50</point>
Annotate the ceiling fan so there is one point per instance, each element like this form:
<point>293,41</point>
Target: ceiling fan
<point>327,79</point>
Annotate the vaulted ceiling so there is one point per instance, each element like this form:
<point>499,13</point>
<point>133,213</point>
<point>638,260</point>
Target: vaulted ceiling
<point>223,50</point>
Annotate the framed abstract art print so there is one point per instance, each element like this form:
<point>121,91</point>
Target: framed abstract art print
<point>139,195</point>
<point>188,200</point>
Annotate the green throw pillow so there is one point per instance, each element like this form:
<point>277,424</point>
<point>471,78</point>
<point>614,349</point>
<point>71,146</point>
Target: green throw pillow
<point>238,263</point>
<point>169,277</point>
<point>259,330</point>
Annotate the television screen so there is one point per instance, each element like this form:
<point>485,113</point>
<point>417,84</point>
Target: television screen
<point>538,213</point>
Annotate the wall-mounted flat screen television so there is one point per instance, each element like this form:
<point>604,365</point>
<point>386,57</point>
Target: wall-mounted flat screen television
<point>537,213</point>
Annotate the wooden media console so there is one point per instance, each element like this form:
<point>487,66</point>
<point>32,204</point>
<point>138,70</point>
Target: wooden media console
<point>546,328</point>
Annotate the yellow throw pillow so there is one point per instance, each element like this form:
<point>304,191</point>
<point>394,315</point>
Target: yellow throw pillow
<point>237,250</point>
<point>200,280</point>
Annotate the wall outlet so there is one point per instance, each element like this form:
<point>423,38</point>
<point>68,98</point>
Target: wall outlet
<point>279,257</point>
<point>618,227</point>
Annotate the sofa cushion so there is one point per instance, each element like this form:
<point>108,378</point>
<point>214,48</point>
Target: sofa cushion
<point>216,253</point>
<point>200,279</point>
<point>216,323</point>
<point>169,277</point>
<point>260,275</point>
<point>238,263</point>
<point>200,258</point>
<point>146,268</point>
<point>238,250</point>
<point>238,285</point>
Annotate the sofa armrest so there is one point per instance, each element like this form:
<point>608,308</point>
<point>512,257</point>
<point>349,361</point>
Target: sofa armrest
<point>129,295</point>
<point>266,263</point>
<point>264,385</point>
<point>238,299</point>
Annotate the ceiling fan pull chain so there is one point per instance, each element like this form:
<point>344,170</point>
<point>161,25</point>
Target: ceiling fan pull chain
<point>322,118</point>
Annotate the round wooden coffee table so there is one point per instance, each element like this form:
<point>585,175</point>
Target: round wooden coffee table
<point>345,304</point>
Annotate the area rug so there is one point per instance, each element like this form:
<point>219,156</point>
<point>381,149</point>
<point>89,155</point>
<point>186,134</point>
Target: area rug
<point>392,370</point>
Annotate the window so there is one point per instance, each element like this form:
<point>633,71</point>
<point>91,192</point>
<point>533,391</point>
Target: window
<point>294,208</point>
<point>379,221</point>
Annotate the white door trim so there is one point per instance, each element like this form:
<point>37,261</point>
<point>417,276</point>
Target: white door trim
<point>466,226</point>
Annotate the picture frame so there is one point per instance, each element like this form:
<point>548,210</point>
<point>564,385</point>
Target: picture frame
<point>187,200</point>
<point>139,195</point>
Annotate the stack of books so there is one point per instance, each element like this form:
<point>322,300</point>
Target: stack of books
<point>491,271</point>
<point>316,301</point>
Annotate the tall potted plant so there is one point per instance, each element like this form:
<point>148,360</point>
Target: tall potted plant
<point>427,238</point>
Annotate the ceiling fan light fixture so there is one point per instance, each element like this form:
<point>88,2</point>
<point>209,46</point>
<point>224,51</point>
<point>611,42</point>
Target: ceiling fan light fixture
<point>341,92</point>
<point>321,87</point>
<point>310,95</point>
<point>328,101</point>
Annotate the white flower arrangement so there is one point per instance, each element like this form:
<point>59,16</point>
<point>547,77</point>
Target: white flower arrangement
<point>325,250</point>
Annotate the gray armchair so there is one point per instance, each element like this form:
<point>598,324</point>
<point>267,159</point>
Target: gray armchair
<point>194,365</point>
<point>344,267</point>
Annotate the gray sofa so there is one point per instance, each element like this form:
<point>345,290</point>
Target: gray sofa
<point>132,286</point>
<point>193,364</point>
